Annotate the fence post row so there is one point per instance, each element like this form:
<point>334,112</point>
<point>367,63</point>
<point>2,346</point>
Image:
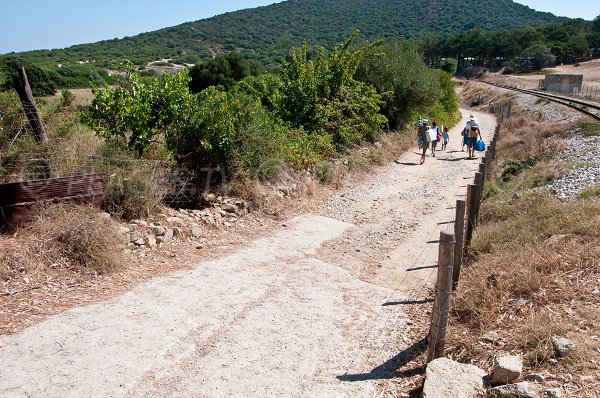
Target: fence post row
<point>451,253</point>
<point>441,305</point>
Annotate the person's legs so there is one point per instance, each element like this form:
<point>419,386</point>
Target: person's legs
<point>425,147</point>
<point>433,146</point>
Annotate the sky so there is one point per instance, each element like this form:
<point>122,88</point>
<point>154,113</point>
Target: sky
<point>45,24</point>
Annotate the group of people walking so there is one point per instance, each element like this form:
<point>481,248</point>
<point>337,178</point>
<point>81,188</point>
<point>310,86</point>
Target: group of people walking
<point>429,136</point>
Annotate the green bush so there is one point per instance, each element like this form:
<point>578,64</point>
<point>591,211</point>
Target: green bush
<point>449,65</point>
<point>396,69</point>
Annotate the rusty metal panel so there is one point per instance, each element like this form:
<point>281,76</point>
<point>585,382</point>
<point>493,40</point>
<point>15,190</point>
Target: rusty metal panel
<point>16,198</point>
<point>50,189</point>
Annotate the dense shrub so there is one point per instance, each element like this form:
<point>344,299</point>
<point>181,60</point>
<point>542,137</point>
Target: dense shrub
<point>396,69</point>
<point>223,70</point>
<point>449,65</point>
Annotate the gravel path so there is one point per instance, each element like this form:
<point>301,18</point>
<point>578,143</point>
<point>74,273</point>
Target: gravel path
<point>312,310</point>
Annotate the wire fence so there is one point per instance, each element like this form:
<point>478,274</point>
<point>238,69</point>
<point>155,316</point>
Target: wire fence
<point>587,91</point>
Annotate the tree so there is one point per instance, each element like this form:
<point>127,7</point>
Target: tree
<point>396,69</point>
<point>42,82</point>
<point>139,113</point>
<point>449,65</point>
<point>540,55</point>
<point>223,70</point>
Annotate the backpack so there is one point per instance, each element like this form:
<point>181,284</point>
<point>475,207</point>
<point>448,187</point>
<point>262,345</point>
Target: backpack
<point>431,134</point>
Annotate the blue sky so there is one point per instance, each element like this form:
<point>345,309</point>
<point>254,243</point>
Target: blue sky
<point>62,23</point>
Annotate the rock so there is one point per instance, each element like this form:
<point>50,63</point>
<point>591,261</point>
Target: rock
<point>284,189</point>
<point>507,368</point>
<point>134,236</point>
<point>447,378</point>
<point>140,241</point>
<point>554,239</point>
<point>158,230</point>
<point>535,377</point>
<point>229,208</point>
<point>175,220</point>
<point>519,390</point>
<point>596,292</point>
<point>492,337</point>
<point>168,235</point>
<point>123,230</point>
<point>131,246</point>
<point>562,346</point>
<point>177,232</point>
<point>133,227</point>
<point>196,232</point>
<point>208,198</point>
<point>151,240</point>
<point>104,215</point>
<point>241,204</point>
<point>555,392</point>
<point>126,239</point>
<point>208,219</point>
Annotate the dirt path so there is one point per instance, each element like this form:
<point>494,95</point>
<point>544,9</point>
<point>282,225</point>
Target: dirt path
<point>308,311</point>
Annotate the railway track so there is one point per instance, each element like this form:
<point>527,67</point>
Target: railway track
<point>590,108</point>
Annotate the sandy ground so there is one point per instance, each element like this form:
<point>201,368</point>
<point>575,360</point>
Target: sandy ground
<point>590,71</point>
<point>314,309</point>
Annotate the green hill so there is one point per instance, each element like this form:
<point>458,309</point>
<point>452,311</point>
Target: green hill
<point>266,33</point>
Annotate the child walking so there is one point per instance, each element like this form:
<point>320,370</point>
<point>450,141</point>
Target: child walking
<point>445,138</point>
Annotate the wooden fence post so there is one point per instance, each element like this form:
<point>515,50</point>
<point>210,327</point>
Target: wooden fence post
<point>30,108</point>
<point>459,234</point>
<point>478,195</point>
<point>441,305</point>
<point>470,214</point>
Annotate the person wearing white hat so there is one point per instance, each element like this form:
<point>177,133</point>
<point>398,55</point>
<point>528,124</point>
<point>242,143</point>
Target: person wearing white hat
<point>472,131</point>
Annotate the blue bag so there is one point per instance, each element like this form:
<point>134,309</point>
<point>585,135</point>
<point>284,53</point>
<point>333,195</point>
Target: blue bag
<point>480,146</point>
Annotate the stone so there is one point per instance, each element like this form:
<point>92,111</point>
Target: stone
<point>554,240</point>
<point>140,241</point>
<point>562,346</point>
<point>519,390</point>
<point>230,208</point>
<point>196,232</point>
<point>447,378</point>
<point>284,189</point>
<point>123,230</point>
<point>209,198</point>
<point>151,241</point>
<point>555,392</point>
<point>535,377</point>
<point>175,220</point>
<point>492,337</point>
<point>177,232</point>
<point>104,215</point>
<point>208,219</point>
<point>507,368</point>
<point>158,230</point>
<point>133,227</point>
<point>168,235</point>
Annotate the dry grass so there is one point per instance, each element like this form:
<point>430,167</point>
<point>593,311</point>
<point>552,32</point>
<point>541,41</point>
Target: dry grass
<point>71,237</point>
<point>534,266</point>
<point>529,294</point>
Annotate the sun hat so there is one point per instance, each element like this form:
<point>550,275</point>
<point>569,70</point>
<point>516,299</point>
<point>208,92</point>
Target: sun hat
<point>471,117</point>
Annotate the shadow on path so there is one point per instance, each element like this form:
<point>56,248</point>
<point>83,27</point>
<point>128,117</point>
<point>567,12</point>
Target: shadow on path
<point>408,302</point>
<point>391,368</point>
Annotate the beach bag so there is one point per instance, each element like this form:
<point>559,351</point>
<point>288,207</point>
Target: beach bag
<point>480,146</point>
<point>431,135</point>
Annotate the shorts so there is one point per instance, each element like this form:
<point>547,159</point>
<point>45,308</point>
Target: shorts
<point>470,141</point>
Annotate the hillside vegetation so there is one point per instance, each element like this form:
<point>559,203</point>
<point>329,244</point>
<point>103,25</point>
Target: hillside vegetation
<point>266,33</point>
